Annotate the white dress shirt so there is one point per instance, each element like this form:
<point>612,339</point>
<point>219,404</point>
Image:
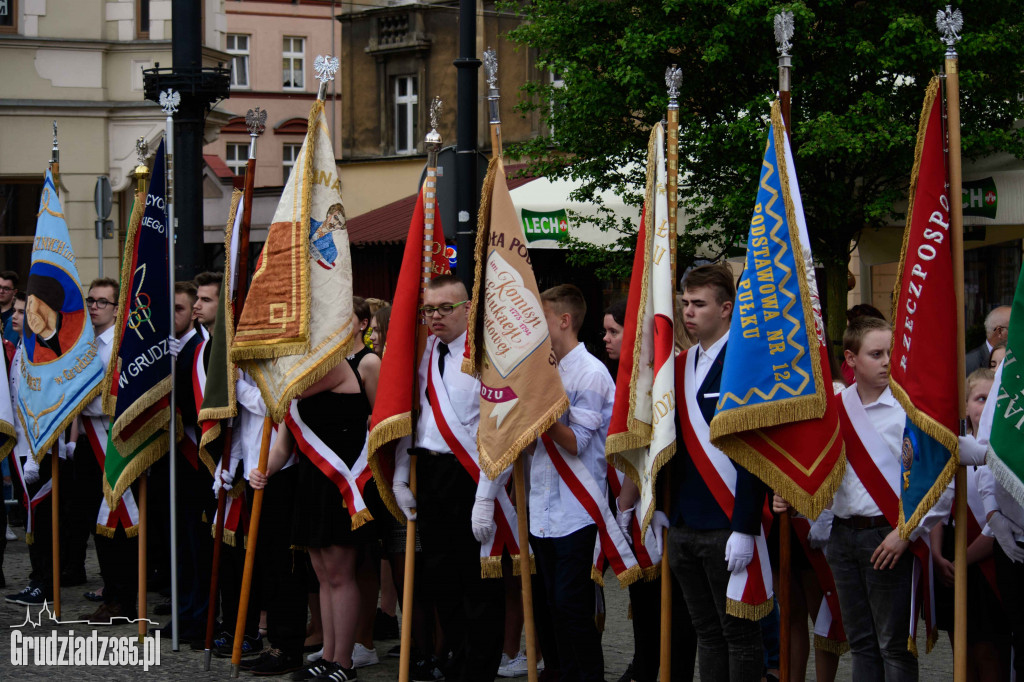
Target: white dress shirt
<point>247,435</point>
<point>554,510</point>
<point>706,358</point>
<point>994,497</point>
<point>104,347</point>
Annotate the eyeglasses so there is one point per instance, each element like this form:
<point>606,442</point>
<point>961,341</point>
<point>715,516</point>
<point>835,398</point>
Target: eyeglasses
<point>7,289</point>
<point>100,303</point>
<point>998,329</point>
<point>445,310</point>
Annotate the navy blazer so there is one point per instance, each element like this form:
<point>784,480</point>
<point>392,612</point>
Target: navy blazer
<point>693,504</point>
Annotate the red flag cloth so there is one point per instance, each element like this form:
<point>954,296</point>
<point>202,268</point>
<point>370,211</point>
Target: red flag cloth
<point>393,409</point>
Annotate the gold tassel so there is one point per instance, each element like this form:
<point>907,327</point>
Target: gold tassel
<point>630,576</point>
<point>830,645</point>
<point>361,518</point>
<point>132,532</point>
<point>490,567</point>
<point>516,570</point>
<point>596,576</point>
<point>749,611</point>
<point>105,531</point>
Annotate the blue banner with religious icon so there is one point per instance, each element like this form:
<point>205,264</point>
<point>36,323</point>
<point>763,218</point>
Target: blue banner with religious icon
<point>59,372</point>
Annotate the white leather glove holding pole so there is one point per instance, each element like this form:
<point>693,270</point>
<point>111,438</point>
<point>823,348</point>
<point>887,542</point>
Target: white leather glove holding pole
<point>624,517</point>
<point>1003,528</point>
<point>739,551</point>
<point>400,486</point>
<point>821,529</point>
<point>971,451</point>
<point>659,524</point>
<point>223,481</point>
<point>482,519</point>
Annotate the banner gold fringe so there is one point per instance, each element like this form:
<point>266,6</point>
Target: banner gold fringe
<point>517,571</point>
<point>490,567</point>
<point>749,611</point>
<point>388,431</point>
<point>361,518</point>
<point>652,573</point>
<point>472,364</point>
<point>493,468</point>
<point>142,461</point>
<point>147,428</point>
<point>64,425</point>
<point>7,447</point>
<point>630,576</point>
<point>105,531</point>
<point>830,645</point>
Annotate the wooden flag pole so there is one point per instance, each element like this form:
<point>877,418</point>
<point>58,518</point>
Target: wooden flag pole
<point>55,524</point>
<point>783,34</point>
<point>250,552</point>
<point>218,542</point>
<point>408,580</point>
<point>950,23</point>
<point>529,625</point>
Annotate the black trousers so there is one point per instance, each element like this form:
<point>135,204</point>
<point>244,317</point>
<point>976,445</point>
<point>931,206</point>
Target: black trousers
<point>232,565</point>
<point>119,566</point>
<point>564,597</point>
<point>645,599</point>
<point>1010,578</point>
<point>281,571</point>
<point>158,549</point>
<point>79,504</point>
<point>471,609</point>
<point>40,551</point>
<point>195,545</point>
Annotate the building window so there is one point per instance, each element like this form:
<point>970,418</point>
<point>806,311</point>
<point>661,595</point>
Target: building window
<point>8,16</point>
<point>293,61</point>
<point>236,156</point>
<point>142,19</point>
<point>557,82</point>
<point>289,153</point>
<point>406,111</point>
<point>238,48</point>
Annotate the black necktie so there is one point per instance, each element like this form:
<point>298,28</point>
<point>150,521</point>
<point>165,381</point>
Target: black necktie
<point>442,351</point>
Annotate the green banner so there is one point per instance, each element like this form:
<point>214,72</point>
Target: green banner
<point>540,225</point>
<point>1006,457</point>
<point>980,198</point>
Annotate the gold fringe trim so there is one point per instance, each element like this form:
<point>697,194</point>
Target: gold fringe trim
<point>810,505</point>
<point>147,428</point>
<point>387,431</point>
<point>652,573</point>
<point>243,352</point>
<point>490,567</point>
<point>132,531</point>
<point>912,646</point>
<point>205,439</point>
<point>227,536</point>
<point>493,468</point>
<point>65,423</point>
<point>930,639</point>
<point>630,576</point>
<point>830,645</point>
<point>7,429</point>
<point>472,364</point>
<point>749,611</point>
<point>517,570</point>
<point>105,531</point>
<point>30,538</point>
<point>1005,476</point>
<point>123,307</point>
<point>596,576</point>
<point>660,461</point>
<point>138,464</point>
<point>361,518</point>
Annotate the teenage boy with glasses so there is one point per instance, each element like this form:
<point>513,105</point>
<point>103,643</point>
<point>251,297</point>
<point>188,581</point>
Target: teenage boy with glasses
<point>8,287</point>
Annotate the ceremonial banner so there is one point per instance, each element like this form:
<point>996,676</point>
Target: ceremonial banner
<point>219,398</point>
<point>1005,454</point>
<point>59,370</point>
<point>7,434</point>
<point>923,367</point>
<point>642,431</point>
<point>138,379</point>
<point>508,344</point>
<point>305,266</point>
<point>776,415</point>
<point>393,409</point>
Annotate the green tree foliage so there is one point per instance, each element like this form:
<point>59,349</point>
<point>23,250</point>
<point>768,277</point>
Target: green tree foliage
<point>858,79</point>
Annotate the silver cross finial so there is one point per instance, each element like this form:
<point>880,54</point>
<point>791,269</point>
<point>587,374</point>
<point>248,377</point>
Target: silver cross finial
<point>256,121</point>
<point>169,101</point>
<point>949,22</point>
<point>491,67</point>
<point>325,67</point>
<point>673,79</point>
<point>54,133</point>
<point>784,32</point>
<point>436,106</point>
<point>141,150</point>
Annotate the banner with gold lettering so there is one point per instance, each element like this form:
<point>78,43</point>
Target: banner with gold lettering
<point>297,321</point>
<point>923,367</point>
<point>776,413</point>
<point>59,370</point>
<point>508,345</point>
<point>642,432</point>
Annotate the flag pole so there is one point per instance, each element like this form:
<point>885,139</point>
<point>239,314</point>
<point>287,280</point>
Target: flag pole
<point>325,68</point>
<point>238,271</point>
<point>142,176</point>
<point>783,34</point>
<point>54,454</point>
<point>518,475</point>
<point>949,24</point>
<point>169,100</point>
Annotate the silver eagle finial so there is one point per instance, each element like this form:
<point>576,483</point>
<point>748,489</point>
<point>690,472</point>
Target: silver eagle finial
<point>673,79</point>
<point>491,67</point>
<point>256,121</point>
<point>141,150</point>
<point>169,101</point>
<point>436,106</point>
<point>325,67</point>
<point>784,32</point>
<point>949,22</point>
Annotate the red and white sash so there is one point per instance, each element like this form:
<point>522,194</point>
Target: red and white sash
<point>127,513</point>
<point>611,542</point>
<point>198,391</point>
<point>829,634</point>
<point>879,471</point>
<point>236,512</point>
<point>350,481</point>
<point>645,551</point>
<point>463,446</point>
<point>976,521</point>
<point>749,593</point>
<point>33,500</point>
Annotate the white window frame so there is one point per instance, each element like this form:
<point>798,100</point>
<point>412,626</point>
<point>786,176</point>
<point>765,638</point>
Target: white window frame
<point>410,102</point>
<point>236,156</point>
<point>296,60</point>
<point>289,154</point>
<point>239,60</point>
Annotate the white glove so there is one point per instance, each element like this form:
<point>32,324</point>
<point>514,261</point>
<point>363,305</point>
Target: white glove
<point>971,451</point>
<point>739,551</point>
<point>173,346</point>
<point>69,450</point>
<point>1003,528</point>
<point>659,523</point>
<point>821,528</point>
<point>224,482</point>
<point>624,517</point>
<point>406,500</point>
<point>482,519</point>
<point>31,471</point>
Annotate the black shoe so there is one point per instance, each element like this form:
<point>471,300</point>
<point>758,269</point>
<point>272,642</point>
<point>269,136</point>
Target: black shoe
<point>312,670</point>
<point>250,646</point>
<point>72,577</point>
<point>628,675</point>
<point>395,651</point>
<point>336,673</point>
<point>30,596</point>
<point>385,626</point>
<point>274,662</point>
<point>427,670</point>
<point>16,597</point>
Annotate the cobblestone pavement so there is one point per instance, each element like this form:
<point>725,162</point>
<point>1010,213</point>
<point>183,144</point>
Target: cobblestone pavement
<point>188,665</point>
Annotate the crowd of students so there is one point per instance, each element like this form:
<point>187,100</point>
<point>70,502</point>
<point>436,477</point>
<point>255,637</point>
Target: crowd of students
<point>330,551</point>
